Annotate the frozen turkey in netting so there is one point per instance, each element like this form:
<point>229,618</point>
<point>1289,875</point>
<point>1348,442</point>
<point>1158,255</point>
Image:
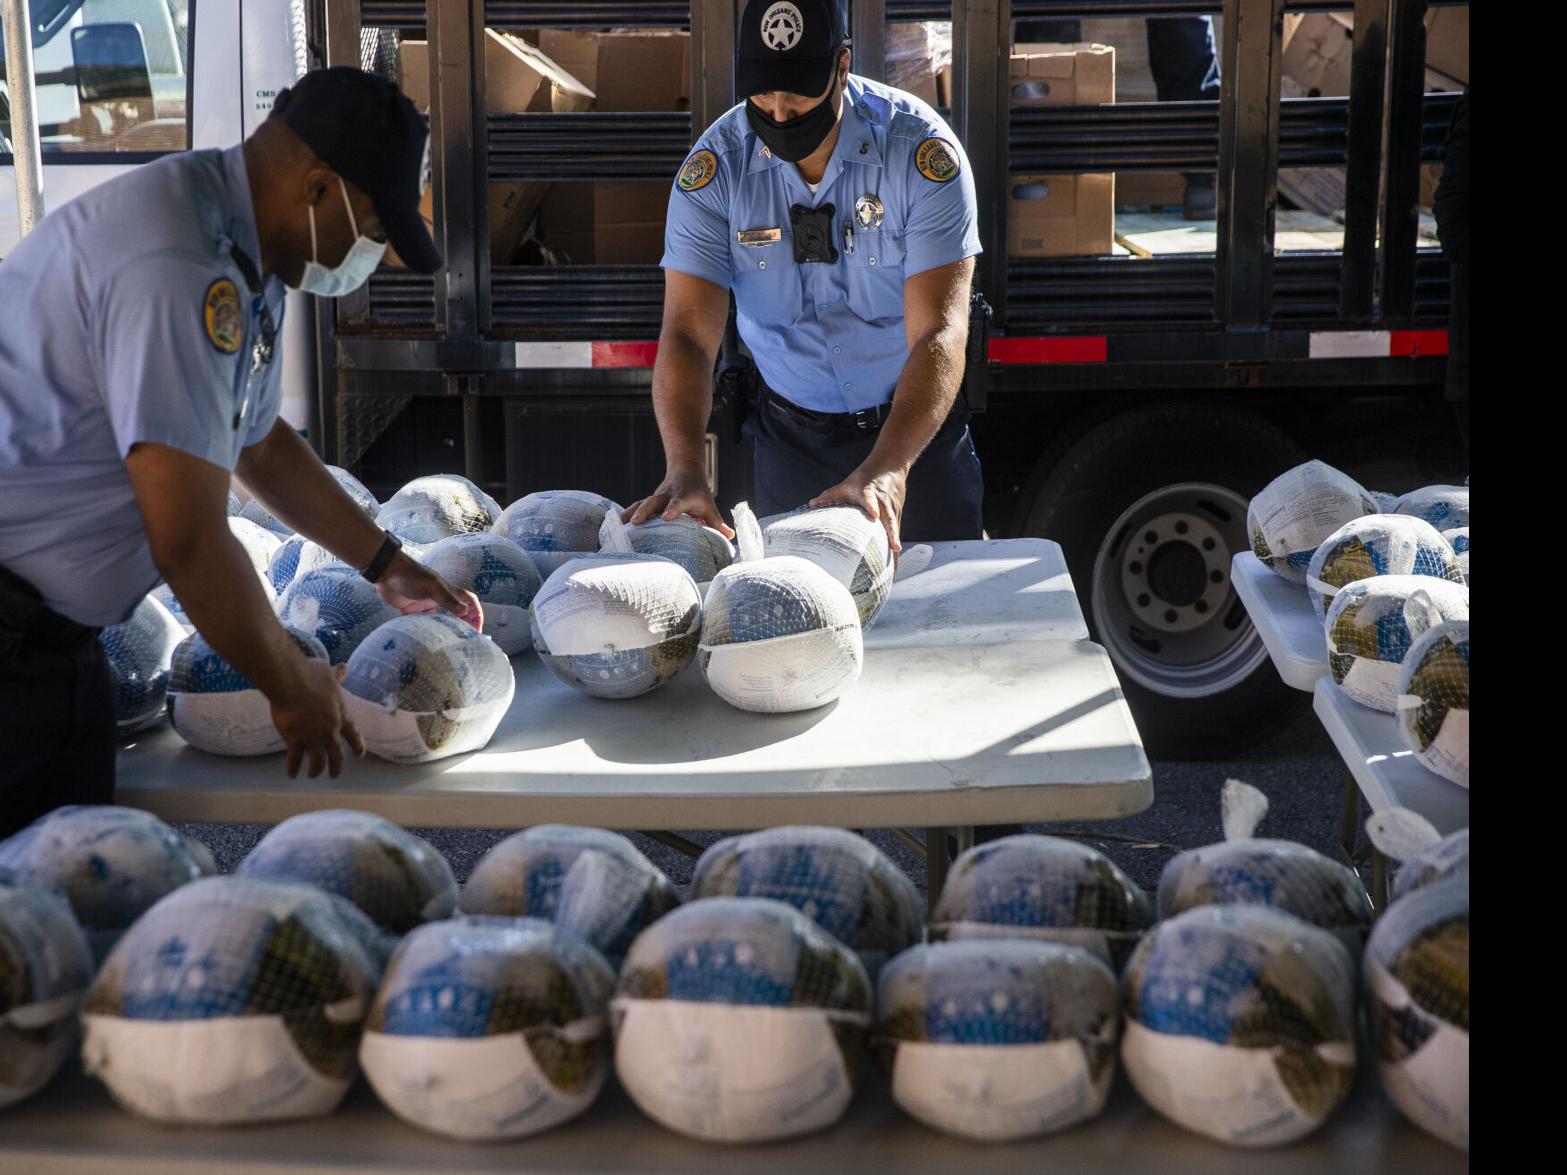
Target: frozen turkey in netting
<point>214,707</point>
<point>1444,507</point>
<point>1416,970</point>
<point>45,967</point>
<point>490,1028</point>
<point>232,1001</point>
<point>397,879</point>
<point>355,489</point>
<point>740,1020</point>
<point>844,542</point>
<point>1433,700</point>
<point>1447,858</point>
<point>556,520</point>
<point>429,509</point>
<point>337,604</point>
<point>257,514</point>
<point>500,573</point>
<point>1378,544</point>
<point>140,653</point>
<point>586,880</point>
<point>1372,623</point>
<point>1244,869</point>
<point>235,506</point>
<point>1386,503</point>
<point>427,686</point>
<point>617,624</point>
<point>298,556</point>
<point>1295,512</point>
<point>839,880</point>
<point>1458,539</point>
<point>1046,888</point>
<point>111,863</point>
<point>260,547</point>
<point>1402,834</point>
<point>1240,1023</point>
<point>997,1040</point>
<point>701,550</point>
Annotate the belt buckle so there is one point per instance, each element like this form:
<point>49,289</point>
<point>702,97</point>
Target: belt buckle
<point>867,420</point>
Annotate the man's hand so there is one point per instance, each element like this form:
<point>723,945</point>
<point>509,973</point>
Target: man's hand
<point>411,587</point>
<point>681,492</point>
<point>880,496</point>
<point>309,714</point>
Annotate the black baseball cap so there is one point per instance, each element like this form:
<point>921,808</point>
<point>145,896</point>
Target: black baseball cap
<point>365,129</point>
<point>789,45</point>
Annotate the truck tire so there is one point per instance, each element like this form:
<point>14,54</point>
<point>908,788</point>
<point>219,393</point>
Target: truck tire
<point>1149,508</point>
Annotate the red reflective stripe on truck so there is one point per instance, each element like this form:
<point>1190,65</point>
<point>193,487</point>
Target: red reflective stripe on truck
<point>1414,343</point>
<point>1089,349</point>
<point>624,354</point>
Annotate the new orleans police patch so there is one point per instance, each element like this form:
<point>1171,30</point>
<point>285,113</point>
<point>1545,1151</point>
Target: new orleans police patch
<point>220,314</point>
<point>698,171</point>
<point>937,160</point>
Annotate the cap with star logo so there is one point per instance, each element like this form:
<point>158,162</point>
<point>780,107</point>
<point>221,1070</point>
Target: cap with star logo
<point>789,46</point>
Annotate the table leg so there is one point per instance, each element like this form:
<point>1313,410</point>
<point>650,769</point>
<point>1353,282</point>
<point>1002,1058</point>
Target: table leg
<point>1378,881</point>
<point>936,860</point>
<point>1349,825</point>
<point>675,841</point>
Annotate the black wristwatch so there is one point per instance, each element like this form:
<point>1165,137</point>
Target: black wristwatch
<point>383,558</point>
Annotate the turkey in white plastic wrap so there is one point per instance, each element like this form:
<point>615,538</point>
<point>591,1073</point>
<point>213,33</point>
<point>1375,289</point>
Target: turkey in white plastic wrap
<point>141,655</point>
<point>355,489</point>
<point>701,550</point>
<point>1372,624</point>
<point>45,967</point>
<point>617,624</point>
<point>1444,507</point>
<point>1378,544</point>
<point>591,882</point>
<point>1285,875</point>
<point>233,1001</point>
<point>259,545</point>
<point>254,512</point>
<point>1417,1006</point>
<point>779,634</point>
<point>427,686</point>
<point>429,509</point>
<point>841,881</point>
<point>1458,539</point>
<point>500,573</point>
<point>740,1020</point>
<point>844,542</point>
<point>555,526</point>
<point>1295,513</point>
<point>295,557</point>
<point>1046,888</point>
<point>213,706</point>
<point>997,1041</point>
<point>1240,1023</point>
<point>1433,700</point>
<point>235,506</point>
<point>110,863</point>
<point>397,879</point>
<point>337,604</point>
<point>490,1028</point>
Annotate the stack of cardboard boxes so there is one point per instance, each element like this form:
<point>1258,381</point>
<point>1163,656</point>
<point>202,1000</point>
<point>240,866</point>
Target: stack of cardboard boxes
<point>1061,215</point>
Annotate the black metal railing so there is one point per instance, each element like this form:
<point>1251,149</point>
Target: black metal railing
<point>588,145</point>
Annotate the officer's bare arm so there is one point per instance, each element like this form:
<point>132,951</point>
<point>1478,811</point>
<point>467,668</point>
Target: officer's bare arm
<point>695,311</point>
<point>289,479</point>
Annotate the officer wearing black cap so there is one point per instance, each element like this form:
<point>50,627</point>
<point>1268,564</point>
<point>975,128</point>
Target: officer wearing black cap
<point>841,213</point>
<point>139,327</point>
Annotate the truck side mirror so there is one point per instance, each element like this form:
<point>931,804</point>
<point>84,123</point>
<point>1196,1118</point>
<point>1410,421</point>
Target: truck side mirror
<point>111,62</point>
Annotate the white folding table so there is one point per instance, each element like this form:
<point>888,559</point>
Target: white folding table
<point>1282,614</point>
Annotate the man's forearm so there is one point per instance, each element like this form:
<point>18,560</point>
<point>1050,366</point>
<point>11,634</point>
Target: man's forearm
<point>927,387</point>
<point>683,399</point>
<point>285,474</point>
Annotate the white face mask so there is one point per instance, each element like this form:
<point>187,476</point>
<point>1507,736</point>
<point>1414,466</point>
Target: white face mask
<point>355,268</point>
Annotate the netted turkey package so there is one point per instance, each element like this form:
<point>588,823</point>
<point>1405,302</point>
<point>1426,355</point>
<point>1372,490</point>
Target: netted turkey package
<point>844,542</point>
<point>1433,700</point>
<point>1295,512</point>
<point>429,509</point>
<point>489,1028</point>
<point>233,1001</point>
<point>1378,544</point>
<point>701,550</point>
<point>141,655</point>
<point>1373,624</point>
<point>500,574</point>
<point>997,1041</point>
<point>556,520</point>
<point>45,967</point>
<point>215,708</point>
<point>338,605</point>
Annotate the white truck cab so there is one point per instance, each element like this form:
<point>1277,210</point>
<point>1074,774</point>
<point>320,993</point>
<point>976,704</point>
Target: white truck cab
<point>122,82</point>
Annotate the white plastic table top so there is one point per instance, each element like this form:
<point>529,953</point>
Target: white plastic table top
<point>1282,614</point>
<point>1386,771</point>
<point>72,1128</point>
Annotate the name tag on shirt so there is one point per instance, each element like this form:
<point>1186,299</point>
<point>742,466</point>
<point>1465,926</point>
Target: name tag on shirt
<point>755,238</point>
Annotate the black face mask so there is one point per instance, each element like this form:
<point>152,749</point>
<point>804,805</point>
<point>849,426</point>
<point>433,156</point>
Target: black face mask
<point>796,138</point>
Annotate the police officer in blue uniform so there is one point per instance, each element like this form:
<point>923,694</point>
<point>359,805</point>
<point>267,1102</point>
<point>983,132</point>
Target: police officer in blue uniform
<point>139,367</point>
<point>841,212</point>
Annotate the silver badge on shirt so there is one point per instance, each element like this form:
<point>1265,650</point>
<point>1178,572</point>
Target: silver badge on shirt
<point>868,211</point>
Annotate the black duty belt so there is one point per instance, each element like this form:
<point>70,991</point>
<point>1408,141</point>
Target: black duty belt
<point>866,420</point>
<point>24,619</point>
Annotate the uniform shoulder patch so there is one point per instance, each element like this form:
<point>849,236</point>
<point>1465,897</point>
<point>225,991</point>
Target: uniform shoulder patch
<point>698,171</point>
<point>937,160</point>
<point>220,315</point>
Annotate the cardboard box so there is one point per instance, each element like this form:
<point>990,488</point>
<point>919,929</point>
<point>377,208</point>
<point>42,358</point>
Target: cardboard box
<point>1447,42</point>
<point>1062,75</point>
<point>617,222</point>
<point>944,88</point>
<point>518,78</point>
<point>1156,189</point>
<point>644,70</point>
<point>1060,215</point>
<point>1317,56</point>
<point>915,53</point>
<point>513,207</point>
<point>574,50</point>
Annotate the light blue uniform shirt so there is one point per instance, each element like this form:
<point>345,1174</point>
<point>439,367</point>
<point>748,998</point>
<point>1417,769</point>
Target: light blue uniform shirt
<point>827,336</point>
<point>117,327</point>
